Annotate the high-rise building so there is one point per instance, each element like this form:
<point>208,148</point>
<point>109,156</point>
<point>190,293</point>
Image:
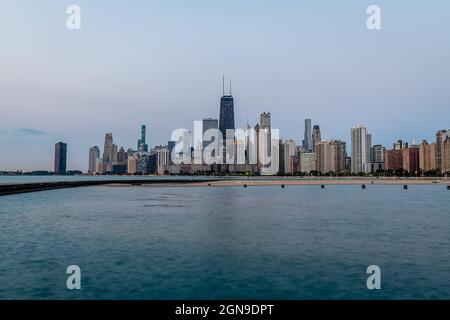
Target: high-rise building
<point>411,159</point>
<point>266,125</point>
<point>264,146</point>
<point>132,164</point>
<point>282,163</point>
<point>369,148</point>
<point>170,148</point>
<point>427,156</point>
<point>293,165</point>
<point>289,152</point>
<point>307,162</point>
<point>393,160</point>
<point>152,163</point>
<point>122,156</point>
<point>94,155</point>
<point>99,166</point>
<point>443,162</point>
<point>361,142</point>
<point>446,167</point>
<point>226,118</point>
<point>330,156</point>
<point>143,164</point>
<point>110,153</point>
<point>348,164</point>
<point>162,160</point>
<point>316,137</point>
<point>307,140</point>
<point>378,155</point>
<point>208,124</point>
<point>60,158</point>
<point>108,149</point>
<point>142,146</point>
<point>256,146</point>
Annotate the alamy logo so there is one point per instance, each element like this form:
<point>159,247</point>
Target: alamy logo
<point>250,146</point>
<point>74,20</point>
<point>374,281</point>
<point>74,280</point>
<point>374,19</point>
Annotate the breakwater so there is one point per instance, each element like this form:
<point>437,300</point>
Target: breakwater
<point>9,189</point>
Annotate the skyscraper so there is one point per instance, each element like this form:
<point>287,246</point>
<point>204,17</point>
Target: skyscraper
<point>132,164</point>
<point>289,152</point>
<point>60,157</point>
<point>378,154</point>
<point>393,159</point>
<point>308,162</point>
<point>94,155</point>
<point>142,145</point>
<point>265,141</point>
<point>162,160</point>
<point>208,124</point>
<point>410,159</point>
<point>427,156</point>
<point>361,142</point>
<point>122,156</point>
<point>226,119</point>
<point>266,124</point>
<point>110,153</point>
<point>369,148</point>
<point>330,156</point>
<point>171,147</point>
<point>307,141</point>
<point>316,137</point>
<point>441,138</point>
<point>107,150</point>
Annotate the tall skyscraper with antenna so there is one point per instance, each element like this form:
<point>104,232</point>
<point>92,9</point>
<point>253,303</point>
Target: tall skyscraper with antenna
<point>226,118</point>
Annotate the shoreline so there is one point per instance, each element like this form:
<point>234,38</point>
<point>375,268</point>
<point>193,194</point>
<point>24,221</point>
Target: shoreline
<point>289,182</point>
<point>10,189</point>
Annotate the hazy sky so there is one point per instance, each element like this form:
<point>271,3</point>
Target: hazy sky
<point>160,63</point>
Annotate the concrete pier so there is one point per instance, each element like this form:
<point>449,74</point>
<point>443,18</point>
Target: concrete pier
<point>9,189</point>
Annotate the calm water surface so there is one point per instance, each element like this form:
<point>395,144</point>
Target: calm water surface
<point>226,243</point>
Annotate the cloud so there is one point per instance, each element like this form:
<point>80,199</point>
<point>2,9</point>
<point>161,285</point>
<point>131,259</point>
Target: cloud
<point>32,132</point>
<point>24,136</point>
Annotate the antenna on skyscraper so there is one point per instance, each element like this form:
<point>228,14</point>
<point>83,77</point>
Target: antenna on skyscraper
<point>230,87</point>
<point>223,85</point>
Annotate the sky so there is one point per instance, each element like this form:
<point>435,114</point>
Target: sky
<point>161,63</point>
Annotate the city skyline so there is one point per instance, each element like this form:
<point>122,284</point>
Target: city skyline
<point>363,151</point>
<point>79,85</point>
<point>328,157</point>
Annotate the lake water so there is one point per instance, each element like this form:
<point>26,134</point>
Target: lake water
<point>226,243</point>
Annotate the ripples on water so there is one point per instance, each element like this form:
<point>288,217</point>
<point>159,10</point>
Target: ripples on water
<point>204,243</point>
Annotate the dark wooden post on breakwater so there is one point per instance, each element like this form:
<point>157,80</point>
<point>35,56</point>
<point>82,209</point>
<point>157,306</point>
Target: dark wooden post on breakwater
<point>363,186</point>
<point>405,187</point>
